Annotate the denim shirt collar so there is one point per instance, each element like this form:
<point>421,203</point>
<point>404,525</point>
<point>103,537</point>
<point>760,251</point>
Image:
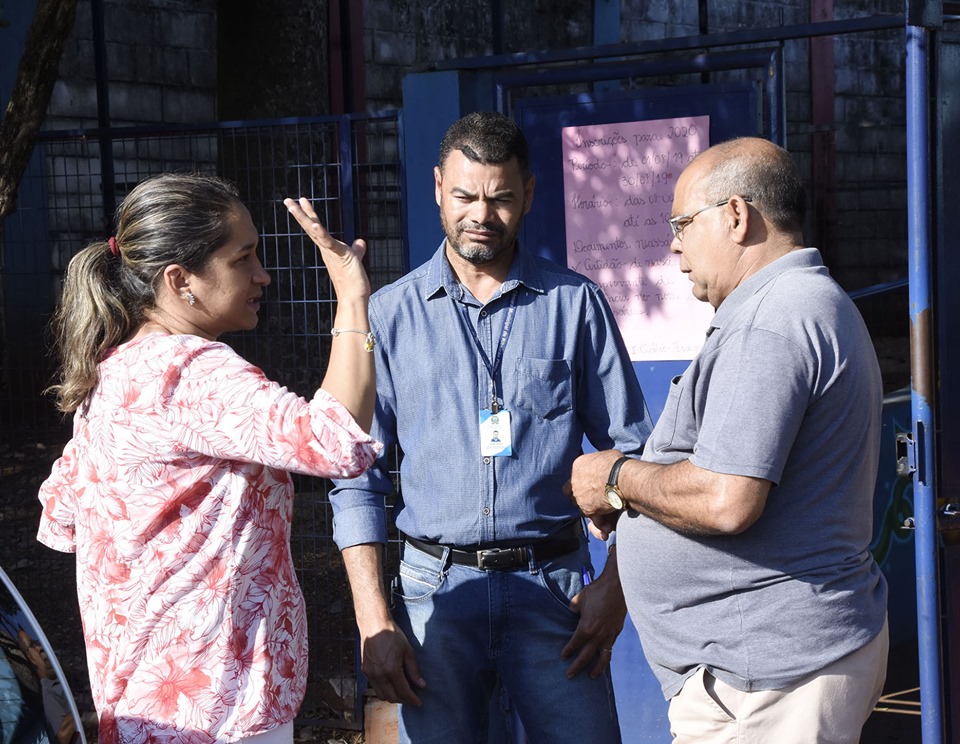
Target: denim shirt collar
<point>803,258</point>
<point>441,279</point>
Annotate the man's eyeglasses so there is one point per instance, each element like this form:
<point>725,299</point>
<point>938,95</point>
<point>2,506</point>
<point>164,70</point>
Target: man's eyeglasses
<point>682,220</point>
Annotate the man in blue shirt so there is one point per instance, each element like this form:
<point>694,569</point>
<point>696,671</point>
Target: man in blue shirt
<point>492,365</point>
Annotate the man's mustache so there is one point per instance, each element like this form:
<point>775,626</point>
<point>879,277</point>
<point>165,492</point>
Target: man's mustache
<point>488,227</point>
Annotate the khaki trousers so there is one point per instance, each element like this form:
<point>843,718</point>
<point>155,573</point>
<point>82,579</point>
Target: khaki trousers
<point>828,707</point>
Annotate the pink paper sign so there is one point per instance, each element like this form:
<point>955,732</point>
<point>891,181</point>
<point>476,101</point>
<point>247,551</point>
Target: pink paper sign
<point>618,182</point>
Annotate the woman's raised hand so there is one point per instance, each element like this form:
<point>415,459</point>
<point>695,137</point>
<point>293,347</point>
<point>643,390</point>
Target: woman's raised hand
<point>344,262</point>
<point>350,375</point>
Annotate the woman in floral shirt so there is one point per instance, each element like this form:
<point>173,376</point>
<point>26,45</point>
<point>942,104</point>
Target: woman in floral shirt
<point>174,490</point>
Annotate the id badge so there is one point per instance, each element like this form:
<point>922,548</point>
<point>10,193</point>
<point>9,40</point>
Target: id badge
<point>495,437</point>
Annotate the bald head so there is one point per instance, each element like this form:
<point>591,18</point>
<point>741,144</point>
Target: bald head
<point>754,167</point>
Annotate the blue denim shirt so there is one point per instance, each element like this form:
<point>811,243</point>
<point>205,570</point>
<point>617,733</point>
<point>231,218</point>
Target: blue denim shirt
<point>565,373</point>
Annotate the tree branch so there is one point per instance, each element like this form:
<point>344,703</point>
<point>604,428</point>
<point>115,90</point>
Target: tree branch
<point>36,75</point>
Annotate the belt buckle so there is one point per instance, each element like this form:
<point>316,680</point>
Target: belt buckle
<point>499,558</point>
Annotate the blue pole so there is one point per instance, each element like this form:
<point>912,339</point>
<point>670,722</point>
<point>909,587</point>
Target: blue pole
<point>921,384</point>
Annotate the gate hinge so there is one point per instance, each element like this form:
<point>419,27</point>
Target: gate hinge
<point>906,454</point>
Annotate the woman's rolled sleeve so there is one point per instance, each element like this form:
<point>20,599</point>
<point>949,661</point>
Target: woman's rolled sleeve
<point>58,519</point>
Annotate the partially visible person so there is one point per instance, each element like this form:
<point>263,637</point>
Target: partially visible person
<point>25,717</point>
<point>744,547</point>
<point>493,364</point>
<point>174,491</point>
<point>56,708</point>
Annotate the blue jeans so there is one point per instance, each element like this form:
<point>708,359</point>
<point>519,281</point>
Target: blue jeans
<point>470,628</point>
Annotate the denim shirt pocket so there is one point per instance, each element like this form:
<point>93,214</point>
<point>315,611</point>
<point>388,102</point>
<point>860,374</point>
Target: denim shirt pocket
<point>544,386</point>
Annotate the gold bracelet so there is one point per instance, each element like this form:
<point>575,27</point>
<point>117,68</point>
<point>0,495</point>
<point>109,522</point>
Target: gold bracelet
<point>369,339</point>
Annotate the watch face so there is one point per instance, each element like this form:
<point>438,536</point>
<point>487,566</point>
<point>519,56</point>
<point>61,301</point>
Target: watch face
<point>613,496</point>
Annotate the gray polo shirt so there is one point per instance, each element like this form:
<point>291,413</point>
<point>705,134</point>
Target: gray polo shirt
<point>786,388</point>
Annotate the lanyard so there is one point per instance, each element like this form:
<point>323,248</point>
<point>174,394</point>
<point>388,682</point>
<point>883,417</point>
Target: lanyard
<point>494,366</point>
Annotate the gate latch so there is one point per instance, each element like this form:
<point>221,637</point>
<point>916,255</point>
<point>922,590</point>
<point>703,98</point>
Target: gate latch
<point>906,454</point>
<point>948,517</point>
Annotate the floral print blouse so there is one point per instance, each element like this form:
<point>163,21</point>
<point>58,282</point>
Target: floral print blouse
<point>175,495</point>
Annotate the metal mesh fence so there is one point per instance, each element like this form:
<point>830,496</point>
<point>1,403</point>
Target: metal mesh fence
<point>349,168</point>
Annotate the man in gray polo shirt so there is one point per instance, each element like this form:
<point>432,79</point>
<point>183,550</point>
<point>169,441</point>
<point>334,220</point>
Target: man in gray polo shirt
<point>743,544</point>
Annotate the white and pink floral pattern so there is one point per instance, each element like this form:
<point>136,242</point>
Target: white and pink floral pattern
<point>174,492</point>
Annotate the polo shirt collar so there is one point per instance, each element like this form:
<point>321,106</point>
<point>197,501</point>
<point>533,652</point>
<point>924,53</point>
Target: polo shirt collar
<point>803,258</point>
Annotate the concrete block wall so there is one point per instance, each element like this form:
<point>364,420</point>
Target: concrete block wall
<point>161,58</point>
<point>161,63</point>
<point>401,36</point>
<point>870,112</point>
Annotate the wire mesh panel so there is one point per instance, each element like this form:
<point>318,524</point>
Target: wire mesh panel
<point>379,219</point>
<point>292,342</point>
<point>349,169</point>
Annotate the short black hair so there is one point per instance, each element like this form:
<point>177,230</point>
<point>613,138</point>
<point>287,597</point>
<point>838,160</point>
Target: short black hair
<point>486,137</point>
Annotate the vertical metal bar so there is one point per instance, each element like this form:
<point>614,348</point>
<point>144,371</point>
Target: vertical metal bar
<point>607,29</point>
<point>347,137</point>
<point>501,97</point>
<point>107,178</point>
<point>777,98</point>
<point>338,62</point>
<point>703,17</point>
<point>921,384</point>
<point>607,22</point>
<point>823,140</point>
<point>348,216</point>
<point>402,185</point>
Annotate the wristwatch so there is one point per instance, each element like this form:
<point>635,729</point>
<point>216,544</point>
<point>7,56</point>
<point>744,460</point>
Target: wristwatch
<point>614,497</point>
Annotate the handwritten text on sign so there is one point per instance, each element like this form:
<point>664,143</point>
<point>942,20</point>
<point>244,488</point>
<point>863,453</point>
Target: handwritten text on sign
<point>618,184</point>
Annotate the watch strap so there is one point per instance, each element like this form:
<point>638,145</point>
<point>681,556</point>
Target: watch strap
<point>615,471</point>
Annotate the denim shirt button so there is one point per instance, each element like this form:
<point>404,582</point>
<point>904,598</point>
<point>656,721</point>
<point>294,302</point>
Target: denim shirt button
<point>486,460</point>
<point>486,510</point>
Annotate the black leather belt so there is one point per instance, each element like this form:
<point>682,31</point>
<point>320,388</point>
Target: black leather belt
<point>544,549</point>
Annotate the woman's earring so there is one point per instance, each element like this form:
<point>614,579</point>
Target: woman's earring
<point>188,296</point>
